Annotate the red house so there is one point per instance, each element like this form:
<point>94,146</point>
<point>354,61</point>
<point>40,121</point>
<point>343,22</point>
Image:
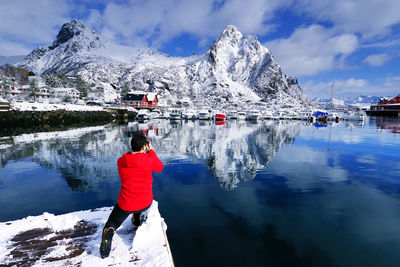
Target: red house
<point>386,107</point>
<point>395,100</point>
<point>141,99</point>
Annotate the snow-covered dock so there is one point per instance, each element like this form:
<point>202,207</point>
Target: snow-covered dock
<point>73,239</point>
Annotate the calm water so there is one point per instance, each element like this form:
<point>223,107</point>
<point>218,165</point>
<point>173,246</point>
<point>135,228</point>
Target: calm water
<point>271,193</point>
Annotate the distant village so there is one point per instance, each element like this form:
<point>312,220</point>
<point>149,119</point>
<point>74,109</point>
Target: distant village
<point>39,90</point>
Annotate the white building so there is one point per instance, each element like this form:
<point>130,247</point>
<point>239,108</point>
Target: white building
<point>103,92</point>
<point>62,93</point>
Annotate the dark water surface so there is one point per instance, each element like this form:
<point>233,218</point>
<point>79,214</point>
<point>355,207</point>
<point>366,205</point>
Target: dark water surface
<point>273,193</point>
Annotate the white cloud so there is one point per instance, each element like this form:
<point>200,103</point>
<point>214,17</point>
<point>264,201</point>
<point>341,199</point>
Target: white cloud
<point>370,18</point>
<point>377,60</point>
<point>353,87</point>
<point>351,83</point>
<point>311,50</point>
<point>393,82</point>
<point>159,21</point>
<point>341,87</point>
<point>8,48</point>
<point>32,21</point>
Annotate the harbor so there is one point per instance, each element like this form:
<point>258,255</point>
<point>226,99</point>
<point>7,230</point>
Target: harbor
<point>199,133</point>
<point>259,185</point>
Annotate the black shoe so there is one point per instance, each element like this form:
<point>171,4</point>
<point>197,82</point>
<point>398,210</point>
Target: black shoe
<point>105,246</point>
<point>136,220</point>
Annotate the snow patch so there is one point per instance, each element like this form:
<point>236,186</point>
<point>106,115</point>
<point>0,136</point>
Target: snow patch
<point>60,246</point>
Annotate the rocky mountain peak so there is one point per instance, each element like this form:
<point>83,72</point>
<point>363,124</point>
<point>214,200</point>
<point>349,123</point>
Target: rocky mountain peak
<point>237,53</point>
<point>69,30</point>
<point>231,31</point>
<point>235,70</point>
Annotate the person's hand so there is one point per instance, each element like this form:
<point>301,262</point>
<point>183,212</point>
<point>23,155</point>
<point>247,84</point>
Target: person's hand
<point>149,146</point>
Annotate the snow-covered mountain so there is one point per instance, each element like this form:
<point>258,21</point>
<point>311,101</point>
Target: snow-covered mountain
<point>235,70</point>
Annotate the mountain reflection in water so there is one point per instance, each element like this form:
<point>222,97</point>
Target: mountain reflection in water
<point>233,152</point>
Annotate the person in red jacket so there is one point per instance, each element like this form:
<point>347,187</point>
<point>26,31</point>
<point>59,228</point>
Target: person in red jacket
<point>136,195</point>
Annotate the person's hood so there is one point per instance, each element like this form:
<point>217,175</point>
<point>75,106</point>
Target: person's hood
<point>129,160</point>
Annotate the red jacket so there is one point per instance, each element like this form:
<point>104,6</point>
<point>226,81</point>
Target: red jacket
<point>136,179</point>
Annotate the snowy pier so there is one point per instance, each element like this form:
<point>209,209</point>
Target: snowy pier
<point>73,239</point>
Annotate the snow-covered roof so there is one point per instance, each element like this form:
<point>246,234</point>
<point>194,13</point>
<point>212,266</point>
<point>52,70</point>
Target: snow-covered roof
<point>137,92</point>
<point>151,96</point>
<point>64,89</point>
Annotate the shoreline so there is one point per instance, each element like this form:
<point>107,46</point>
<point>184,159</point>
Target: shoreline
<point>13,120</point>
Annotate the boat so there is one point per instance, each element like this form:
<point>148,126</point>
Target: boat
<point>143,114</point>
<point>306,115</point>
<point>175,114</point>
<point>321,116</point>
<point>219,116</point>
<point>386,107</point>
<point>189,114</point>
<point>291,115</point>
<point>231,115</point>
<point>253,115</point>
<point>241,115</point>
<point>267,115</point>
<point>277,115</point>
<point>155,114</point>
<point>164,114</point>
<point>204,114</point>
<point>354,116</point>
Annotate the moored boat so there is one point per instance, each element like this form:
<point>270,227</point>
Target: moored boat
<point>321,116</point>
<point>267,115</point>
<point>143,114</point>
<point>306,115</point>
<point>219,116</point>
<point>354,116</point>
<point>231,115</point>
<point>175,114</point>
<point>204,114</point>
<point>241,115</point>
<point>189,114</point>
<point>253,115</point>
<point>155,114</point>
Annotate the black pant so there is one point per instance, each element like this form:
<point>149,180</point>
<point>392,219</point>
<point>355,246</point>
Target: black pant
<point>118,216</point>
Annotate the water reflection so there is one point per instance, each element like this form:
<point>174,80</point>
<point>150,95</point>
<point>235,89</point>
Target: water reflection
<point>318,196</point>
<point>233,152</point>
<point>391,124</point>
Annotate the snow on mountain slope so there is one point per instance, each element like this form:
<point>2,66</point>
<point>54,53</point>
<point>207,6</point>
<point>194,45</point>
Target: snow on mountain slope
<point>235,71</point>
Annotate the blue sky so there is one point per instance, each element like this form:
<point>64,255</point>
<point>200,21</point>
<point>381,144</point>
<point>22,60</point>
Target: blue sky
<point>353,43</point>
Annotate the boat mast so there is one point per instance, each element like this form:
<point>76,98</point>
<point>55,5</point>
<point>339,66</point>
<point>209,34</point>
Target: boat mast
<point>332,96</point>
